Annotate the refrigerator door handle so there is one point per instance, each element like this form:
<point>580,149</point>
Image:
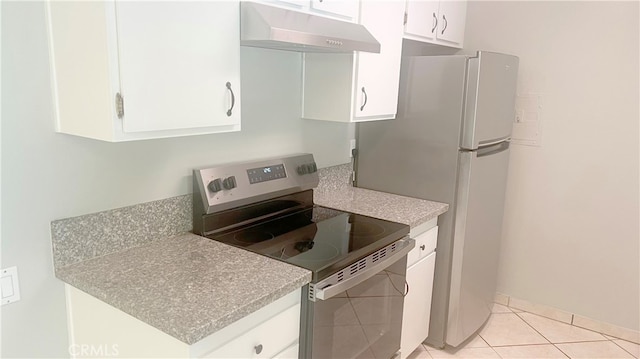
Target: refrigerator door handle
<point>493,142</point>
<point>492,150</point>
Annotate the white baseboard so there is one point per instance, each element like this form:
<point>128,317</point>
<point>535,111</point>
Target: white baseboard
<point>502,299</point>
<point>569,318</point>
<point>606,328</point>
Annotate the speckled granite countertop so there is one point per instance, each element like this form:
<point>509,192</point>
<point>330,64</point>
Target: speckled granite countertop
<point>186,285</point>
<point>335,191</point>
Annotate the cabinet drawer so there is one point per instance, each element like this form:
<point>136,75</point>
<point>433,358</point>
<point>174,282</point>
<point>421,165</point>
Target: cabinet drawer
<point>425,244</point>
<point>289,353</point>
<point>269,338</point>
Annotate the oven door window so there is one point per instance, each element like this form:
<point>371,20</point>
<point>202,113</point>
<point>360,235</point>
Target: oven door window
<point>364,321</point>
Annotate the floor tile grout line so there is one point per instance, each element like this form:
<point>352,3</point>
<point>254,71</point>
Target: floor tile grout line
<point>561,351</point>
<point>549,342</point>
<point>540,344</point>
<point>574,326</point>
<point>531,326</point>
<point>623,348</point>
<point>543,336</point>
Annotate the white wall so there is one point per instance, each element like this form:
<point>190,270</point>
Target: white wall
<point>47,176</point>
<point>571,236</point>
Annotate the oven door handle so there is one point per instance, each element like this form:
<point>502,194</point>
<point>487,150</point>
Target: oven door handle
<point>324,291</point>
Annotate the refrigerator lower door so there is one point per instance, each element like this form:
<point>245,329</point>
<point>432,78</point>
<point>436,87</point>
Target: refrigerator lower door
<point>476,244</point>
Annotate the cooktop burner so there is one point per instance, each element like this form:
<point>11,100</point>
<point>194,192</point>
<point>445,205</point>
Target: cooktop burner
<point>252,236</point>
<point>320,239</point>
<point>321,251</point>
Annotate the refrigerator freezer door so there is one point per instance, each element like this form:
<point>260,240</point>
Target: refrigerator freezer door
<point>490,99</point>
<point>476,244</point>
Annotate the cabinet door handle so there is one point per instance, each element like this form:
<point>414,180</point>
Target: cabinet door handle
<point>435,23</point>
<point>423,247</point>
<point>365,99</point>
<point>233,99</point>
<point>445,24</point>
<point>258,348</point>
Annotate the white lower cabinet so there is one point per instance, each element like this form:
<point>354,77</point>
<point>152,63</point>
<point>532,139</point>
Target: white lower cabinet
<point>100,330</point>
<point>266,340</point>
<point>417,304</point>
<point>289,353</point>
<point>421,263</point>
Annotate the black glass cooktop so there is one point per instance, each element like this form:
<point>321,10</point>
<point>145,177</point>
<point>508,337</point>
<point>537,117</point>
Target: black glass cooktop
<point>320,239</point>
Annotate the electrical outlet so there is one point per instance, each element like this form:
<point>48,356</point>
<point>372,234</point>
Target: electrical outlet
<point>10,288</point>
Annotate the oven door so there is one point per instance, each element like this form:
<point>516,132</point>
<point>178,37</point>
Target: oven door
<point>360,316</point>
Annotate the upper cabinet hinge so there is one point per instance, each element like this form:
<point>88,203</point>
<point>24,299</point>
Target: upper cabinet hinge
<point>119,105</point>
<point>405,18</point>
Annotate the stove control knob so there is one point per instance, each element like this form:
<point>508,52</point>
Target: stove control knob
<point>215,185</point>
<point>302,170</point>
<point>312,168</point>
<point>229,182</point>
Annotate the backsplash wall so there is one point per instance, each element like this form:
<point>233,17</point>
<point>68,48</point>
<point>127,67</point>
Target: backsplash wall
<point>48,176</point>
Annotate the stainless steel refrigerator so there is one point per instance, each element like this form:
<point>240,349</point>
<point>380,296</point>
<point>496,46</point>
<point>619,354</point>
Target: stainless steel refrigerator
<point>450,143</point>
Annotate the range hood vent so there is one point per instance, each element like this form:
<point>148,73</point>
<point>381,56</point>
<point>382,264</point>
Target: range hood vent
<point>276,28</point>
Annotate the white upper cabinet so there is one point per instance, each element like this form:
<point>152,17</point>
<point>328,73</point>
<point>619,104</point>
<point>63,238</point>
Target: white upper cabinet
<point>360,86</point>
<point>139,70</point>
<point>437,22</point>
<point>346,10</point>
<point>378,75</point>
<point>341,8</point>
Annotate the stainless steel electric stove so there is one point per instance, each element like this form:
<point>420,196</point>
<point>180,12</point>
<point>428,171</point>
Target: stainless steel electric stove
<point>353,306</point>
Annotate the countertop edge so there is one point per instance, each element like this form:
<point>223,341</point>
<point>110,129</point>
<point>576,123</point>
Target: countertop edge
<point>196,333</point>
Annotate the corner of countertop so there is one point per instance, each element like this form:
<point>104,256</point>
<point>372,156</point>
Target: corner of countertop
<point>335,190</point>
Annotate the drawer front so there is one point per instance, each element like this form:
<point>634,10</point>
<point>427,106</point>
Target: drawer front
<point>265,340</point>
<point>289,353</point>
<point>425,244</point>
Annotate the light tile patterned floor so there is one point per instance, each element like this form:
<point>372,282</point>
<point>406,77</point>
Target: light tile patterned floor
<point>510,333</point>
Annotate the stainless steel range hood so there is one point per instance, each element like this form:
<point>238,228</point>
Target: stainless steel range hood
<point>276,28</point>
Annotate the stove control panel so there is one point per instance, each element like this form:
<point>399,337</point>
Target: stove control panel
<point>266,173</point>
<point>232,185</point>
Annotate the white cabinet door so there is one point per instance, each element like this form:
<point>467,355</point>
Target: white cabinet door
<point>176,59</point>
<point>342,8</point>
<point>422,19</point>
<point>452,19</point>
<point>170,62</point>
<point>437,22</point>
<point>378,75</point>
<point>417,304</point>
<point>360,86</point>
